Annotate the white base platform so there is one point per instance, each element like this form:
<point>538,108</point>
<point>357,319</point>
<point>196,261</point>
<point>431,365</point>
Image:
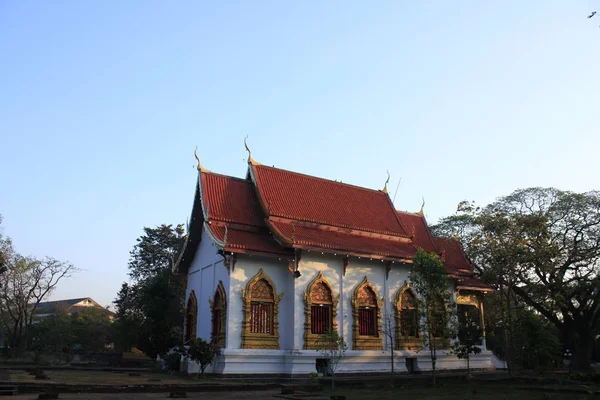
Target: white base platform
<point>303,362</point>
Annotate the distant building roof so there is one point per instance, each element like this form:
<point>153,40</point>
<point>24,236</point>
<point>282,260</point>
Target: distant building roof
<point>67,306</point>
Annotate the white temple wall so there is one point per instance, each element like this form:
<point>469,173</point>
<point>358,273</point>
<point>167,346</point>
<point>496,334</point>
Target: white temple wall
<point>207,269</point>
<point>204,274</point>
<point>246,268</point>
<point>311,263</point>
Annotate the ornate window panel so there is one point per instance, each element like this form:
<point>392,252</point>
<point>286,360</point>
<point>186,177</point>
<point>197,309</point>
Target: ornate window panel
<point>470,308</point>
<point>407,320</point>
<point>218,307</point>
<point>191,317</point>
<point>260,326</point>
<point>366,313</point>
<point>320,311</point>
<point>439,322</point>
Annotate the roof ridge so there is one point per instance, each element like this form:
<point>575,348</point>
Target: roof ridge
<point>227,176</point>
<point>320,178</point>
<point>342,226</point>
<point>322,226</point>
<point>409,213</point>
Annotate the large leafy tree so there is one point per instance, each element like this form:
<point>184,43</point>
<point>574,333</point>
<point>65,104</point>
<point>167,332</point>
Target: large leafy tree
<point>542,246</point>
<point>155,251</point>
<point>26,282</point>
<point>149,310</point>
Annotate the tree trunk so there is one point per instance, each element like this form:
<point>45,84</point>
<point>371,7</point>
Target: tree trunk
<point>332,380</point>
<point>392,361</point>
<point>582,347</point>
<point>468,365</point>
<point>432,353</point>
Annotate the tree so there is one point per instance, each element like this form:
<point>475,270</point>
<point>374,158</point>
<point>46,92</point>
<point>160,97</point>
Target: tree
<point>536,340</point>
<point>160,301</point>
<point>52,335</point>
<point>157,250</point>
<point>388,330</point>
<point>6,250</point>
<point>127,317</point>
<point>201,352</point>
<point>91,329</point>
<point>26,282</point>
<point>432,287</point>
<point>149,310</point>
<point>468,340</point>
<point>541,245</point>
<point>333,347</point>
<point>62,333</point>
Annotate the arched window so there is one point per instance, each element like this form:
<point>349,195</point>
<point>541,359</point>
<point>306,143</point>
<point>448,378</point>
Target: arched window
<point>320,310</point>
<point>191,317</point>
<point>218,306</point>
<point>470,312</point>
<point>260,328</point>
<point>407,320</point>
<point>366,310</point>
<point>438,318</point>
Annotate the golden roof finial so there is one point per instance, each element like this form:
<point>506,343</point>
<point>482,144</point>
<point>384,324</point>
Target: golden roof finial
<point>386,182</point>
<point>250,159</point>
<point>420,212</point>
<point>197,159</point>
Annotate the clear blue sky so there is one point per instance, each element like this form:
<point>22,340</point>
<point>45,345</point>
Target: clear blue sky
<point>102,104</point>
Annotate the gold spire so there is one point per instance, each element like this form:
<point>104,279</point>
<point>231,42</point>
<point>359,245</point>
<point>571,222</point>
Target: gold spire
<point>386,182</point>
<point>420,212</point>
<point>197,159</point>
<point>250,159</point>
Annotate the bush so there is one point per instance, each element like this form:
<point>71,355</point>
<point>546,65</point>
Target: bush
<point>173,361</point>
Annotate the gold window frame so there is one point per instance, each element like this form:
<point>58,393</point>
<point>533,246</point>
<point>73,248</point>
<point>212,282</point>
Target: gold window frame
<point>250,340</point>
<point>311,340</point>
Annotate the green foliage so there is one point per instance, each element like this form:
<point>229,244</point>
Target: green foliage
<point>542,245</point>
<point>333,347</point>
<point>469,338</point>
<point>173,361</point>
<point>431,284</point>
<point>149,311</point>
<point>314,377</point>
<point>87,330</point>
<point>155,251</point>
<point>53,335</point>
<point>201,352</point>
<point>536,339</point>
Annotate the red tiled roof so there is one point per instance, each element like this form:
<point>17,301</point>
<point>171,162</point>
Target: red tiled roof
<point>232,207</point>
<point>254,242</point>
<point>455,260</point>
<point>230,199</point>
<point>324,239</point>
<point>472,282</point>
<point>458,265</point>
<point>313,213</point>
<point>307,198</point>
<point>417,228</point>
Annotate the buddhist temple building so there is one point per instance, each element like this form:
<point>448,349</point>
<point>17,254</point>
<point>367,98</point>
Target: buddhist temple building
<point>278,259</point>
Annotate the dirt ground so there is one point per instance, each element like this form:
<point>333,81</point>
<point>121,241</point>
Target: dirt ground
<point>442,393</point>
<point>76,377</point>
<point>151,396</point>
